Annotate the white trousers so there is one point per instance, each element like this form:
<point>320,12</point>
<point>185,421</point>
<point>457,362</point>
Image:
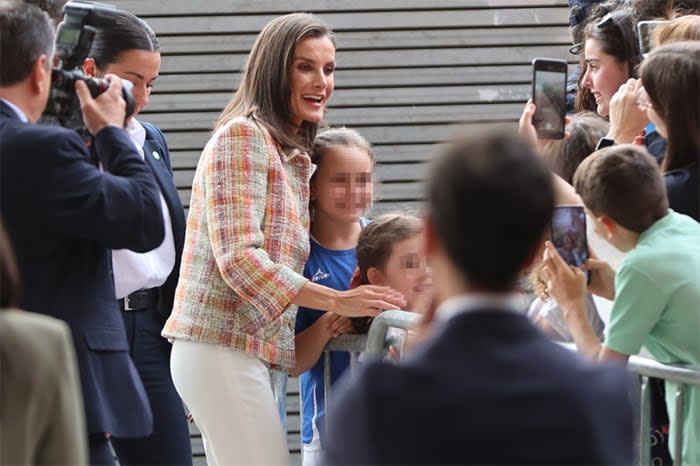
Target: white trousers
<point>229,395</point>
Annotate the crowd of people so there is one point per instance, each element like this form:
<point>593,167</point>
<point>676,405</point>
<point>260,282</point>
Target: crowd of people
<point>121,316</point>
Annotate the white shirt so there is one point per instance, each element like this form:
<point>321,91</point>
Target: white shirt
<point>133,270</point>
<point>477,301</point>
<point>20,114</point>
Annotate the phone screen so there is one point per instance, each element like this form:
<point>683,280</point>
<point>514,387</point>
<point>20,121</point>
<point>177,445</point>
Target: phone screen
<point>549,95</point>
<point>645,30</point>
<point>569,234</point>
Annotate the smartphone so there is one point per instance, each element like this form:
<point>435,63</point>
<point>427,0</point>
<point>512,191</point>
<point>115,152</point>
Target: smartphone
<point>549,95</point>
<point>568,233</point>
<point>645,32</point>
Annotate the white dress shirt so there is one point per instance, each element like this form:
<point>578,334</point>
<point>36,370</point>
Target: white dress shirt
<point>20,114</point>
<point>133,270</point>
<point>477,301</point>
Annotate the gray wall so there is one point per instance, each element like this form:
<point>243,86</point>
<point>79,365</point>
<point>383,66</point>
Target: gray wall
<point>407,70</point>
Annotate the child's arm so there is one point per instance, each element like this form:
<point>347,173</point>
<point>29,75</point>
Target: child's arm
<point>567,284</point>
<point>309,344</point>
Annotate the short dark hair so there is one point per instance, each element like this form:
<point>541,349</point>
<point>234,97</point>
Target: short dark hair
<point>27,33</point>
<point>54,8</point>
<point>623,182</point>
<point>490,199</point>
<point>118,32</point>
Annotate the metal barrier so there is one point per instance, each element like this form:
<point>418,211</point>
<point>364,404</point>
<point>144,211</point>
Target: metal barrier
<point>682,375</point>
<point>376,343</point>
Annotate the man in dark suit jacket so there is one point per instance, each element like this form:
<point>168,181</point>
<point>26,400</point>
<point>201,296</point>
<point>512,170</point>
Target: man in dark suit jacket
<point>486,387</point>
<point>64,215</point>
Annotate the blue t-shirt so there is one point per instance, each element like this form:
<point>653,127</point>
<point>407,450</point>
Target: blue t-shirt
<point>331,268</point>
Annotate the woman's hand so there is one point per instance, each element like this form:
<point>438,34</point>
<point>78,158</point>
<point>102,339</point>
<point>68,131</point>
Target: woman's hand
<point>627,120</point>
<point>367,300</point>
<point>527,130</point>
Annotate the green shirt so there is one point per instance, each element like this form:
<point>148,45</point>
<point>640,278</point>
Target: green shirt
<point>657,305</point>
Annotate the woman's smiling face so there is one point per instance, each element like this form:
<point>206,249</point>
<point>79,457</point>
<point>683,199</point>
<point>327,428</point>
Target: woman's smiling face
<point>311,80</point>
<point>604,75</point>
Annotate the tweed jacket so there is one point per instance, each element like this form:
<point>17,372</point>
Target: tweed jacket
<point>246,244</point>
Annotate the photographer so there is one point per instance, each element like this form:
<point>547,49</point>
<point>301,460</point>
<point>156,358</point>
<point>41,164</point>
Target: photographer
<point>64,216</point>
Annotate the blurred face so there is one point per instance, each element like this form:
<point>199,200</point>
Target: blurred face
<point>604,75</point>
<point>141,67</point>
<point>311,80</point>
<point>342,188</point>
<point>407,270</point>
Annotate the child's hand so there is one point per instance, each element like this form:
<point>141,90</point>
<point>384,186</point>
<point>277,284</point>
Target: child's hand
<point>565,283</point>
<point>602,276</point>
<point>337,325</point>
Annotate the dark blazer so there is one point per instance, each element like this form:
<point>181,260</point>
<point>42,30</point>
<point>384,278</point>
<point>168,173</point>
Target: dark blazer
<point>488,388</point>
<point>157,156</point>
<point>64,216</point>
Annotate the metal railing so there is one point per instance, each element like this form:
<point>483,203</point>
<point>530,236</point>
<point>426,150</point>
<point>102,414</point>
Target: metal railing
<point>683,376</point>
<point>375,343</point>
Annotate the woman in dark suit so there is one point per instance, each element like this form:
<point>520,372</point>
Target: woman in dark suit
<point>145,282</point>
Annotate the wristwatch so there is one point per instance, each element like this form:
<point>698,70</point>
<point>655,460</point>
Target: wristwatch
<point>605,142</point>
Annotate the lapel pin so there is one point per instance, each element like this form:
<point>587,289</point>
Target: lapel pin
<point>156,155</point>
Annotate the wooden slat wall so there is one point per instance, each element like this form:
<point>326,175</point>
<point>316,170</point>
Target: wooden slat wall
<point>408,71</point>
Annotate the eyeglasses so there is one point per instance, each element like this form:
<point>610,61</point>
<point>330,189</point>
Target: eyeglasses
<point>643,101</point>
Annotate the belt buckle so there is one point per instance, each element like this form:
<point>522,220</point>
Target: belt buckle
<point>127,304</point>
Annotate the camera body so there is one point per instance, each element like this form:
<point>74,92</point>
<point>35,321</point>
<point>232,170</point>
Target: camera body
<point>74,38</point>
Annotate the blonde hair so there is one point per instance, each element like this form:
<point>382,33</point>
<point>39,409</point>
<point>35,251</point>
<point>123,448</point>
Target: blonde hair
<point>677,30</point>
<point>264,91</point>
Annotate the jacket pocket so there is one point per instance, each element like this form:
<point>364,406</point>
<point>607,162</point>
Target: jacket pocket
<point>106,340</point>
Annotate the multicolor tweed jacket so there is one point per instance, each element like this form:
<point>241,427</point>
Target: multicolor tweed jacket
<point>246,244</point>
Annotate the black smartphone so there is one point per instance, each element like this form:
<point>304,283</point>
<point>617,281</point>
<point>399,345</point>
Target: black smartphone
<point>568,233</point>
<point>645,31</point>
<point>549,95</point>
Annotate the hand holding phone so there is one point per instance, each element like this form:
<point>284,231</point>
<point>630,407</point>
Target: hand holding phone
<point>568,234</point>
<point>549,96</point>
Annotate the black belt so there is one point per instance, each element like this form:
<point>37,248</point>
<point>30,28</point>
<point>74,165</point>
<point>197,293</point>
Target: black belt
<point>141,299</point>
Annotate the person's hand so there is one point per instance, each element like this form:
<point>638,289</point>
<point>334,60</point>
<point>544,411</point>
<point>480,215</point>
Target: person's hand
<point>565,283</point>
<point>627,120</point>
<point>108,109</point>
<point>602,276</point>
<point>525,127</point>
<point>367,300</point>
<point>337,325</point>
<point>527,130</point>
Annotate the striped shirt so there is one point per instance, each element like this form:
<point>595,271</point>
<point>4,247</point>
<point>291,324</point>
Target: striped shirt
<point>246,244</point>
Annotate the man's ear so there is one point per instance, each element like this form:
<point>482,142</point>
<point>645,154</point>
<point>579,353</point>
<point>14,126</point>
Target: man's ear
<point>375,276</point>
<point>90,68</point>
<point>38,75</point>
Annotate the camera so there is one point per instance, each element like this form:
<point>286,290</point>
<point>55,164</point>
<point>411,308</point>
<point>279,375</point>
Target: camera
<point>74,38</point>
